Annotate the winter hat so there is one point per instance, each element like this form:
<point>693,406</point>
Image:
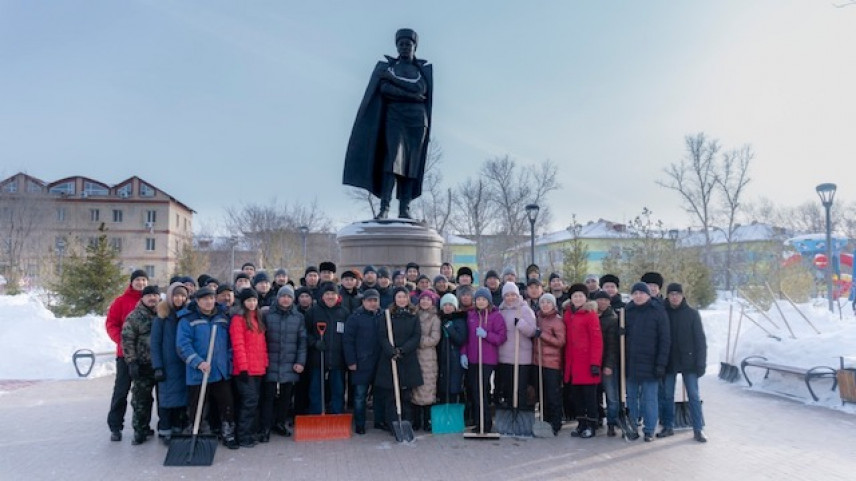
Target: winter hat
<point>485,293</point>
<point>601,295</point>
<point>675,287</point>
<point>411,265</point>
<point>247,294</point>
<point>138,273</point>
<point>383,272</point>
<point>509,271</point>
<point>151,290</point>
<point>640,286</point>
<point>310,269</point>
<point>609,278</point>
<point>349,274</point>
<point>175,288</point>
<point>174,279</point>
<point>465,271</point>
<point>422,276</point>
<point>591,277</point>
<point>548,298</point>
<point>428,293</point>
<point>509,287</point>
<point>224,287</point>
<point>555,275</point>
<point>449,299</point>
<point>280,272</point>
<point>578,288</point>
<point>211,280</point>
<point>327,287</point>
<point>653,278</point>
<point>533,268</point>
<point>203,279</point>
<point>464,290</point>
<point>327,266</point>
<point>368,269</point>
<point>400,289</point>
<point>491,273</point>
<point>370,294</point>
<point>440,277</point>
<point>300,291</point>
<point>204,292</point>
<point>248,264</point>
<point>285,290</point>
<point>397,274</point>
<point>241,275</point>
<point>188,280</point>
<point>260,277</point>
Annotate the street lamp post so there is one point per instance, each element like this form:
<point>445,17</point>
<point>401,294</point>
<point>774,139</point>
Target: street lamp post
<point>827,194</point>
<point>303,231</point>
<point>532,214</point>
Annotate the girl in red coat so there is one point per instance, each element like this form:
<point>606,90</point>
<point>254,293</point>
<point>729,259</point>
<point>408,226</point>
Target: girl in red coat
<point>583,356</point>
<point>249,362</point>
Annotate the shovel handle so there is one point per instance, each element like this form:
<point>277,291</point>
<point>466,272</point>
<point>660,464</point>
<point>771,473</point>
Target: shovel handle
<point>321,327</point>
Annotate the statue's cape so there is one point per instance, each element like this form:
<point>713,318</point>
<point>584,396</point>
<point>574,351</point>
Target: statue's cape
<point>364,159</point>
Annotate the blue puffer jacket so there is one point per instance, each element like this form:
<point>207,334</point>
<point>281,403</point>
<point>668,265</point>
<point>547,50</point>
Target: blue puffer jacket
<point>361,346</point>
<point>194,331</point>
<point>172,392</point>
<point>648,340</point>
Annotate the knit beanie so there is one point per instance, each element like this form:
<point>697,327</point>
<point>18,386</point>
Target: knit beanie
<point>485,293</point>
<point>510,287</point>
<point>641,286</point>
<point>285,290</point>
<point>138,273</point>
<point>449,299</point>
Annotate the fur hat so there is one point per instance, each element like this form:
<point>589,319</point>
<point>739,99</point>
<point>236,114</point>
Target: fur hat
<point>465,271</point>
<point>578,288</point>
<point>609,278</point>
<point>675,287</point>
<point>653,278</point>
<point>247,294</point>
<point>203,279</point>
<point>327,266</point>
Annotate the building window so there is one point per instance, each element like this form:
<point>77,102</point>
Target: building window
<point>150,244</point>
<point>146,190</point>
<point>124,191</point>
<point>60,214</point>
<point>91,188</point>
<point>117,215</point>
<point>11,187</point>
<point>150,271</point>
<point>33,187</point>
<point>116,243</point>
<point>66,188</point>
<point>94,215</point>
<point>151,216</point>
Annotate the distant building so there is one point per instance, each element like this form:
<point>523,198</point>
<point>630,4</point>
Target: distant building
<point>145,225</point>
<point>460,252</point>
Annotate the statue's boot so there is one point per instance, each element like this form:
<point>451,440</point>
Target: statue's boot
<point>404,208</point>
<point>385,195</point>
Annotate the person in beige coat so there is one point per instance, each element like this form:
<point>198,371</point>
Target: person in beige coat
<point>426,394</point>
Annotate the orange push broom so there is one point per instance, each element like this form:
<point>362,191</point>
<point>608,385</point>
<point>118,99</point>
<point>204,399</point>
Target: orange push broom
<point>321,427</point>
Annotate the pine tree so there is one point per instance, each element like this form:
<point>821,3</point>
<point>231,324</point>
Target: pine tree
<point>89,282</point>
<point>575,257</point>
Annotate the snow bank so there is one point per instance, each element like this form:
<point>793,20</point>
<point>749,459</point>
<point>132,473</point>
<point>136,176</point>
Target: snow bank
<point>805,349</point>
<point>34,344</point>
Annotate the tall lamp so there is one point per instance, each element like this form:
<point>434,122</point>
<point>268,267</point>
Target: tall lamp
<point>827,195</point>
<point>532,214</point>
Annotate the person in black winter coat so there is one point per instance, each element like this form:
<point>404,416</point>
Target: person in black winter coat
<point>648,343</point>
<point>609,380</point>
<point>407,333</point>
<point>362,350</point>
<point>287,349</point>
<point>349,292</point>
<point>688,356</point>
<point>330,312</point>
<point>450,380</point>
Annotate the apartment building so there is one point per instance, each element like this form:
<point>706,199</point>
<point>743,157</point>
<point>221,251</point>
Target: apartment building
<point>40,222</point>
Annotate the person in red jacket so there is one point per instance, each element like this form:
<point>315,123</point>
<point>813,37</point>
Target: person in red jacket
<point>249,362</point>
<point>583,357</point>
<point>119,310</point>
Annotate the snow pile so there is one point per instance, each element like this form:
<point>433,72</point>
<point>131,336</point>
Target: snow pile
<point>34,344</point>
<point>805,349</point>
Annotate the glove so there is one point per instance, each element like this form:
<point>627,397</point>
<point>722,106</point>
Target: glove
<point>134,370</point>
<point>537,334</point>
<point>160,375</point>
<point>660,372</point>
<point>700,370</point>
<point>465,362</point>
<point>516,320</point>
<point>595,370</point>
<point>480,332</point>
<point>244,377</point>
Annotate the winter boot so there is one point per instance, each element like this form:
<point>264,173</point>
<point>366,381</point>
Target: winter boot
<point>699,436</point>
<point>264,436</point>
<point>139,437</point>
<point>666,432</point>
<point>610,430</point>
<point>417,417</point>
<point>116,435</point>
<point>227,431</point>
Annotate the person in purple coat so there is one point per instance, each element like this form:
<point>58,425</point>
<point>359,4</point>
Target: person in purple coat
<point>486,325</point>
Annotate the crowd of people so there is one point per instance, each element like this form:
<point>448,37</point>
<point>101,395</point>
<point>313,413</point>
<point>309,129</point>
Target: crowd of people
<point>262,343</point>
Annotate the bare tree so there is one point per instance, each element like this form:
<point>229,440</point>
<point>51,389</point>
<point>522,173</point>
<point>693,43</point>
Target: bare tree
<point>474,214</point>
<point>695,178</point>
<point>435,204</point>
<point>22,217</point>
<point>731,182</point>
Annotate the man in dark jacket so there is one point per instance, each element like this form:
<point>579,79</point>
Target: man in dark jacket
<point>688,356</point>
<point>609,380</point>
<point>609,283</point>
<point>648,342</point>
<point>262,285</point>
<point>361,350</point>
<point>331,312</point>
<point>348,291</point>
<point>491,281</point>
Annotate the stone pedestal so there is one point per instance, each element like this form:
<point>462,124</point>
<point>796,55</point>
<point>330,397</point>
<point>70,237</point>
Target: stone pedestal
<point>391,243</point>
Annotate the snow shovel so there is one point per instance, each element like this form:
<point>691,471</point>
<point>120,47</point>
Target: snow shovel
<point>733,372</point>
<point>725,366</point>
<point>402,429</point>
<point>627,425</point>
<point>541,428</point>
<point>321,427</point>
<point>481,434</point>
<point>447,418</point>
<point>515,422</point>
<point>195,450</point>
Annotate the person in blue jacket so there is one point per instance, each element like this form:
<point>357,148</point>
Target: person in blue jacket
<point>169,368</point>
<point>196,325</point>
<point>362,350</point>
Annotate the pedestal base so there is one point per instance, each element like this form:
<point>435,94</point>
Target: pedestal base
<point>391,243</point>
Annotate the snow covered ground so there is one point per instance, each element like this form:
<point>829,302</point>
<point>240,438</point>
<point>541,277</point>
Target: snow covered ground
<point>36,345</point>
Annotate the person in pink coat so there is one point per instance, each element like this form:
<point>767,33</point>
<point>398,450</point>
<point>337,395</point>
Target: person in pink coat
<point>520,317</point>
<point>583,357</point>
<point>485,325</point>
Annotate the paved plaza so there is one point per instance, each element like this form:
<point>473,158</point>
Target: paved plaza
<point>57,430</point>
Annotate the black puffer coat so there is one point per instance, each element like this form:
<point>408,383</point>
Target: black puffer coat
<point>361,346</point>
<point>286,343</point>
<point>609,328</point>
<point>453,336</point>
<point>333,316</point>
<point>648,340</point>
<point>689,344</point>
<point>407,332</point>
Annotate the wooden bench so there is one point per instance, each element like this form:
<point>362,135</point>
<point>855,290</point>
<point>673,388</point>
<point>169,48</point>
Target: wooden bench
<point>817,372</point>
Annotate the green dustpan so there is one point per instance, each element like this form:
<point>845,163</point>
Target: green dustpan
<point>447,418</point>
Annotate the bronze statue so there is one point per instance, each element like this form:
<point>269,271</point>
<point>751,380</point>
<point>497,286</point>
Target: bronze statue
<point>389,141</point>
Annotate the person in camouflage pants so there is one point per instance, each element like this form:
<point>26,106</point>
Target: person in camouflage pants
<point>136,345</point>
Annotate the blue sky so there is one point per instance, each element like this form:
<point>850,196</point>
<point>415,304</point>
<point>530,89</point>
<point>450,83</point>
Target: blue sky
<point>222,102</point>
